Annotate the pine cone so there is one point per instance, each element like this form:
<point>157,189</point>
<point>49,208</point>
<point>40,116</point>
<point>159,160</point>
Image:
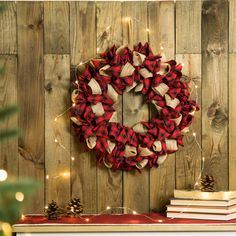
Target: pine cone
<point>52,211</point>
<point>207,184</point>
<point>74,207</point>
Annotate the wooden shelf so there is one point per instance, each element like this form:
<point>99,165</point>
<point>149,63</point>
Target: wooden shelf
<point>72,228</point>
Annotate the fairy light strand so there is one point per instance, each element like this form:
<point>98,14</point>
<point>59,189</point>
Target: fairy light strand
<point>73,158</point>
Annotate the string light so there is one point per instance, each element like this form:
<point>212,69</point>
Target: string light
<point>6,229</point>
<point>19,196</point>
<point>22,216</point>
<point>66,174</point>
<point>3,175</point>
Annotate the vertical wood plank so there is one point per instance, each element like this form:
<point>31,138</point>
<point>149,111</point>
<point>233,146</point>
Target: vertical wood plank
<point>232,94</point>
<point>56,27</point>
<point>136,185</point>
<point>84,169</point>
<point>232,26</point>
<point>188,26</point>
<point>57,100</point>
<point>188,158</point>
<point>8,97</point>
<point>109,32</point>
<point>8,28</point>
<point>162,39</point>
<point>232,122</point>
<point>215,90</point>
<point>31,95</point>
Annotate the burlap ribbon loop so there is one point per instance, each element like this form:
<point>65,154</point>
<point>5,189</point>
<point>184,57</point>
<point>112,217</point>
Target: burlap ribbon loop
<point>127,70</point>
<point>103,72</point>
<point>130,151</point>
<point>171,102</point>
<point>98,109</point>
<point>111,146</point>
<point>74,95</point>
<point>111,92</point>
<point>177,120</point>
<point>145,73</point>
<point>161,159</point>
<point>139,128</point>
<point>142,164</point>
<point>161,89</point>
<point>95,87</point>
<point>91,141</point>
<point>139,87</point>
<point>171,144</point>
<point>144,152</point>
<point>138,58</point>
<point>107,164</point>
<point>157,147</point>
<point>75,120</point>
<point>155,104</point>
<point>164,69</point>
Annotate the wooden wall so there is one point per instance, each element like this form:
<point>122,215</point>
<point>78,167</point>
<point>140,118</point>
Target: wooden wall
<point>41,41</point>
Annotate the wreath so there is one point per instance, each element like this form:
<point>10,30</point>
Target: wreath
<point>95,95</point>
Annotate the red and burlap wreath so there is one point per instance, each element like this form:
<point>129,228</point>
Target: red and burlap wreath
<point>96,93</point>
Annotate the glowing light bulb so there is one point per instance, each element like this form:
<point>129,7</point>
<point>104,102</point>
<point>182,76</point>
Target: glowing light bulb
<point>108,207</point>
<point>203,159</point>
<point>182,64</point>
<point>6,228</point>
<point>127,18</point>
<point>55,140</point>
<point>81,63</point>
<point>46,207</point>
<point>162,48</point>
<point>22,217</point>
<point>194,134</point>
<point>76,82</point>
<point>197,183</point>
<point>148,30</point>
<point>19,196</point>
<point>47,176</point>
<point>3,175</point>
<point>160,221</point>
<point>74,104</point>
<point>87,219</point>
<point>98,49</point>
<point>196,86</point>
<point>134,213</point>
<point>55,119</point>
<point>108,27</point>
<point>72,158</point>
<point>66,174</point>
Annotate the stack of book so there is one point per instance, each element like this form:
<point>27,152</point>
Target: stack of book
<point>203,205</point>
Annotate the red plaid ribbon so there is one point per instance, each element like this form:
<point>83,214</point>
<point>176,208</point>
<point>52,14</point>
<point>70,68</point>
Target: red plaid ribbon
<point>162,125</point>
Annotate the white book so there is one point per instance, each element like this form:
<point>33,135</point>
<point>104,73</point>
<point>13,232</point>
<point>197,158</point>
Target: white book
<point>201,216</point>
<point>191,202</point>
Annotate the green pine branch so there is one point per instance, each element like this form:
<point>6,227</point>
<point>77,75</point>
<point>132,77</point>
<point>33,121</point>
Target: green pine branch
<point>6,112</point>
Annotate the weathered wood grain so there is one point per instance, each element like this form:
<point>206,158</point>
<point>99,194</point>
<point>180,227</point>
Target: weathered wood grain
<point>57,100</point>
<point>82,31</point>
<point>31,95</point>
<point>215,90</point>
<point>232,26</point>
<point>8,97</point>
<point>8,28</point>
<point>188,158</point>
<point>162,40</point>
<point>56,27</point>
<point>84,169</point>
<point>161,23</point>
<point>232,122</point>
<point>188,26</point>
<point>109,32</point>
<point>136,186</point>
